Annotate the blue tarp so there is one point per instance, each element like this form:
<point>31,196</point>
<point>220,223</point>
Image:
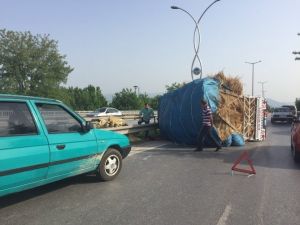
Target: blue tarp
<point>179,112</point>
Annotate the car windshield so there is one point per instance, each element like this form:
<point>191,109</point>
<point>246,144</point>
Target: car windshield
<point>101,110</point>
<point>289,106</point>
<point>284,109</point>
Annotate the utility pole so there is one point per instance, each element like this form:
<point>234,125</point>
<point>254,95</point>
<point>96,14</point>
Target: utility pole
<point>262,88</point>
<point>297,53</point>
<point>253,63</point>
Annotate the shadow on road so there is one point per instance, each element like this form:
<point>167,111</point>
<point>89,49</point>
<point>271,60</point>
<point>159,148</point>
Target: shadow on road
<point>38,191</point>
<point>262,155</point>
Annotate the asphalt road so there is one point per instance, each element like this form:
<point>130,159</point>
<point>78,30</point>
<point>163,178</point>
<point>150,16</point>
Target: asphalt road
<point>163,184</point>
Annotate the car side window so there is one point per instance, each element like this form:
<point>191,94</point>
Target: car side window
<point>114,110</point>
<point>16,119</point>
<point>57,119</point>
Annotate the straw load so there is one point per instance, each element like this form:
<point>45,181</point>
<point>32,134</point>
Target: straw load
<point>109,122</point>
<point>234,114</point>
<point>229,117</point>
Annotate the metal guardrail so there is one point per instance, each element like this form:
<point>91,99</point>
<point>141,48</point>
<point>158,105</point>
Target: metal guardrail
<point>133,129</point>
<point>125,113</point>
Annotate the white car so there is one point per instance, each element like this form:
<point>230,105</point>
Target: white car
<point>282,114</point>
<point>105,111</point>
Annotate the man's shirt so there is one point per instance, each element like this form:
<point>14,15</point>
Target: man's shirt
<point>147,113</point>
<point>206,116</point>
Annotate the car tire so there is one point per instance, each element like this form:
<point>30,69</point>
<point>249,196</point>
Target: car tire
<point>110,165</point>
<point>296,154</point>
<point>272,121</point>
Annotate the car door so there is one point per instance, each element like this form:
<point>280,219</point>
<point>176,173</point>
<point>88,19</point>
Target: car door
<point>24,150</point>
<point>72,151</point>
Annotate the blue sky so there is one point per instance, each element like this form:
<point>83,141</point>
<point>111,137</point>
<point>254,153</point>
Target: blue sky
<point>119,44</point>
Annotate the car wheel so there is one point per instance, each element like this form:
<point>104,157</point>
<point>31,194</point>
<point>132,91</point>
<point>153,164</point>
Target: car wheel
<point>110,165</point>
<point>272,121</point>
<point>296,155</point>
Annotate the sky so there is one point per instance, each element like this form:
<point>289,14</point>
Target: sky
<point>116,44</point>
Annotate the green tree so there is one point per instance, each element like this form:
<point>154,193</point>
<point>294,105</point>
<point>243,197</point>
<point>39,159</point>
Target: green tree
<point>144,98</point>
<point>297,103</point>
<point>126,100</point>
<point>31,65</point>
<point>154,102</point>
<point>174,86</point>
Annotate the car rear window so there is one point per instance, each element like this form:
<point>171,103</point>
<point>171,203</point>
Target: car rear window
<point>16,119</point>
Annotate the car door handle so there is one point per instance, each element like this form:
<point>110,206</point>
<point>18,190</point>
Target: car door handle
<point>60,147</point>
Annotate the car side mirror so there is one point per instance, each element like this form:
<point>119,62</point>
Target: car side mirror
<point>87,126</point>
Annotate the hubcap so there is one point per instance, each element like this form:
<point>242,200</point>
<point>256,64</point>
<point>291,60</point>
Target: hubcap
<point>112,165</point>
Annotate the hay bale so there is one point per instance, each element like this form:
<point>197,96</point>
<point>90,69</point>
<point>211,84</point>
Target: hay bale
<point>116,122</point>
<point>233,84</point>
<point>101,123</point>
<point>230,115</point>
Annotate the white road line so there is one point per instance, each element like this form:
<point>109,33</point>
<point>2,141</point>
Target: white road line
<point>143,149</point>
<point>225,215</point>
<point>147,157</point>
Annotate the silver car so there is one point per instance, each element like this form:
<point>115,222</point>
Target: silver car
<point>105,111</point>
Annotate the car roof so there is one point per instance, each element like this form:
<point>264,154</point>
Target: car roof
<point>24,97</point>
<point>289,106</point>
<point>107,108</point>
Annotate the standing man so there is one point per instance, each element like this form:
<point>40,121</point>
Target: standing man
<point>145,115</point>
<point>207,123</point>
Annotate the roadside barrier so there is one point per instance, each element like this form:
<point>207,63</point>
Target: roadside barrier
<point>133,129</point>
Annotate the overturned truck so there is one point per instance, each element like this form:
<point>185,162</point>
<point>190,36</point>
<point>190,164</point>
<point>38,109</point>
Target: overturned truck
<point>236,117</point>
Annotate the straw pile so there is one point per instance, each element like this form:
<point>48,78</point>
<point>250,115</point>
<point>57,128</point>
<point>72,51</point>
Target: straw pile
<point>230,115</point>
<point>233,84</point>
<point>109,122</point>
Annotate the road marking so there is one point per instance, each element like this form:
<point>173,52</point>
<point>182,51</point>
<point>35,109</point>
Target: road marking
<point>147,157</point>
<point>225,215</point>
<point>136,150</point>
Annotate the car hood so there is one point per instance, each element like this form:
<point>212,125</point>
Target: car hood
<point>102,134</point>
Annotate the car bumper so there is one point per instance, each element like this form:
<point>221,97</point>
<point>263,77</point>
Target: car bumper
<point>282,118</point>
<point>125,151</point>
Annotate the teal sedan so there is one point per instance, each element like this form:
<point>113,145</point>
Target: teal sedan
<point>42,141</point>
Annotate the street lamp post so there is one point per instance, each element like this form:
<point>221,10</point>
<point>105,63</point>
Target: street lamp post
<point>136,88</point>
<point>262,88</point>
<point>297,53</point>
<point>253,63</point>
<point>196,70</point>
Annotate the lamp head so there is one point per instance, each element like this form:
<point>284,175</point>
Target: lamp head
<point>174,7</point>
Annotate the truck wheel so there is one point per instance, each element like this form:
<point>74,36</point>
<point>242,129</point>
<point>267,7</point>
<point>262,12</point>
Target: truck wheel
<point>110,165</point>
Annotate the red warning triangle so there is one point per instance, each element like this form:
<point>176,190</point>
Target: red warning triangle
<point>244,156</point>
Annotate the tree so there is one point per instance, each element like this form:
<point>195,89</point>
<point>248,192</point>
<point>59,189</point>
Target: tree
<point>174,86</point>
<point>88,98</point>
<point>154,102</point>
<point>144,98</point>
<point>30,65</point>
<point>297,103</point>
<point>126,100</point>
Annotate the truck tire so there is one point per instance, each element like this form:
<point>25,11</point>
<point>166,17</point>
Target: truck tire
<point>110,165</point>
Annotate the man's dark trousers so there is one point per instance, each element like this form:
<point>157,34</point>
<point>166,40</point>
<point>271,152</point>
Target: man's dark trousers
<point>146,122</point>
<point>203,134</point>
